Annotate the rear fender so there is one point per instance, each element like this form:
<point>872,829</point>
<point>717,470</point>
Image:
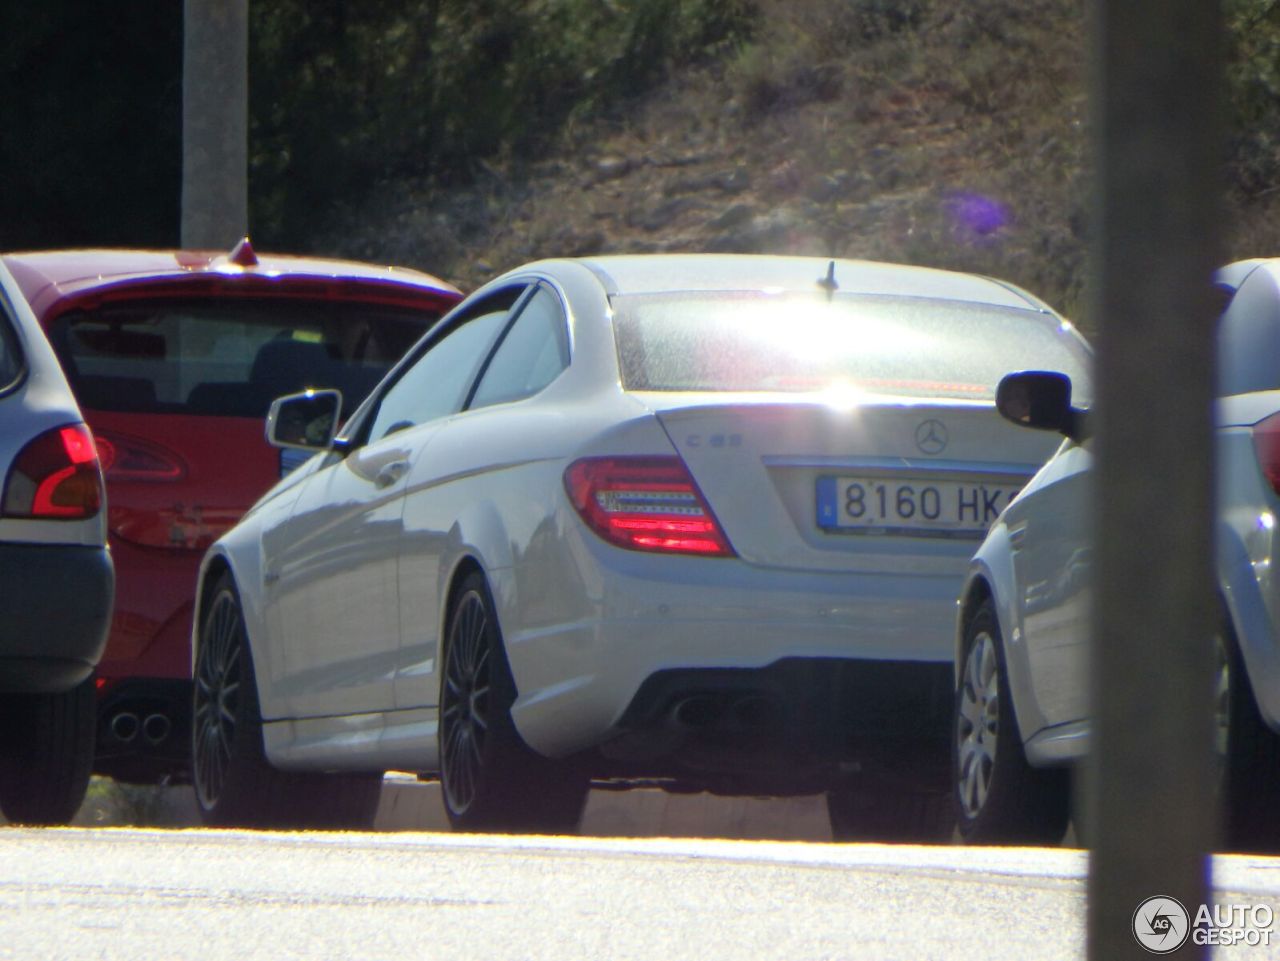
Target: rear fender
<point>1250,620</point>
<point>478,538</point>
<point>231,554</point>
<point>991,575</point>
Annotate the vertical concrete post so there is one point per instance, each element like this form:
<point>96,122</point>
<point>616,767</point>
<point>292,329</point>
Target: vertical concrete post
<point>215,138</point>
<point>1150,810</point>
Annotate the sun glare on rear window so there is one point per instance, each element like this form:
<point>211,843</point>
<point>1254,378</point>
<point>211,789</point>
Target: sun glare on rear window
<point>845,346</point>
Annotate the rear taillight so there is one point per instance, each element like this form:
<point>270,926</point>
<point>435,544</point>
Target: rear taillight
<point>645,504</point>
<point>1266,442</point>
<point>127,458</point>
<point>55,476</point>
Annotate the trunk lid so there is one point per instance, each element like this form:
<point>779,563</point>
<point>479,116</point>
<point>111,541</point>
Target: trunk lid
<point>883,486</point>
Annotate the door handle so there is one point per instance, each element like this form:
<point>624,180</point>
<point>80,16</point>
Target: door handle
<point>390,473</point>
<point>1017,535</point>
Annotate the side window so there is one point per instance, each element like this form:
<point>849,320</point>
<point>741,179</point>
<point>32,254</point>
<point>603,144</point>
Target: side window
<point>1249,337</point>
<point>10,355</point>
<point>436,383</point>
<point>533,353</point>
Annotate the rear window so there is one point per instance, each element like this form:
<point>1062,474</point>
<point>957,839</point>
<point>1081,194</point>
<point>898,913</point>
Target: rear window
<point>229,358</point>
<point>898,346</point>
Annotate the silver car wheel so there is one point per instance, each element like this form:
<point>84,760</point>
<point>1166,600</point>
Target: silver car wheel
<point>1221,700</point>
<point>464,708</point>
<point>978,728</point>
<point>217,691</point>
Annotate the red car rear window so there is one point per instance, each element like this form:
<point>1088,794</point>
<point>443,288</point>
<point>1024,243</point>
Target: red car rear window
<point>230,357</point>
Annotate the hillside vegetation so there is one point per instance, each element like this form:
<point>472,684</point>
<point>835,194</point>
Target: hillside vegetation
<point>466,136</point>
<point>940,133</point>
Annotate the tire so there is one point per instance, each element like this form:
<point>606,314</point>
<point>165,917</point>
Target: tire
<point>918,817</point>
<point>235,786</point>
<point>1250,754</point>
<point>999,797</point>
<point>46,754</point>
<point>490,779</point>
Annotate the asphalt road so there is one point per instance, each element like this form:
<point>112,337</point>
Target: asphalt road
<point>107,894</point>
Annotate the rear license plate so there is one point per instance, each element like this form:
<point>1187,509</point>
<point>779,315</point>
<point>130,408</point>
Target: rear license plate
<point>913,505</point>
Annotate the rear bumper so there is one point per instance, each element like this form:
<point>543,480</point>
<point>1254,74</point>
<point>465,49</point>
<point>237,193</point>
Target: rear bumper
<point>150,634</point>
<point>144,730</point>
<point>798,726</point>
<point>57,608</point>
<point>577,680</point>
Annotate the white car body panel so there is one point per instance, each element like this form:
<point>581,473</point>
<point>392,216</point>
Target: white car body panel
<point>1042,600</point>
<point>1035,562</point>
<point>40,402</point>
<point>1247,551</point>
<point>333,589</point>
<point>579,676</point>
<point>773,451</point>
<point>57,576</point>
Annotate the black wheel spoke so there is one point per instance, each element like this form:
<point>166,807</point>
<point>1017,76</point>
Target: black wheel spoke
<point>464,700</point>
<point>217,696</point>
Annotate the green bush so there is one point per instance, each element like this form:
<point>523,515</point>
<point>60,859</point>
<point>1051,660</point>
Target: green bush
<point>1253,94</point>
<point>348,96</point>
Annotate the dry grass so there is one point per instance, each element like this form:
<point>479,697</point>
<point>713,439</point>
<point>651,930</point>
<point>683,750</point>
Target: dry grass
<point>951,135</point>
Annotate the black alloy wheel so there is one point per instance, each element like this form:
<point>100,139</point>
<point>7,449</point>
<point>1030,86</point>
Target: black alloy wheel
<point>235,784</point>
<point>465,703</point>
<point>219,688</point>
<point>491,780</point>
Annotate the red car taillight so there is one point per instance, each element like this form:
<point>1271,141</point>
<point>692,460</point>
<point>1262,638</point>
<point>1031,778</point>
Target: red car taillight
<point>55,476</point>
<point>645,504</point>
<point>130,459</point>
<point>1266,443</point>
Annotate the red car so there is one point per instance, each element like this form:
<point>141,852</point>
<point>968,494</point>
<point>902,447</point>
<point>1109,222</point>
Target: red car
<point>174,357</point>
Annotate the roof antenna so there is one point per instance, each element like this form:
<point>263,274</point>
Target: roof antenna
<point>828,283</point>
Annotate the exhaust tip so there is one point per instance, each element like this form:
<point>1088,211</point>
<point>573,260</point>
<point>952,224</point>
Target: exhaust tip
<point>156,728</point>
<point>124,726</point>
<point>699,711</point>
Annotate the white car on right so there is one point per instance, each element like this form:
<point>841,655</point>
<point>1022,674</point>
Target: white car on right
<point>1020,719</point>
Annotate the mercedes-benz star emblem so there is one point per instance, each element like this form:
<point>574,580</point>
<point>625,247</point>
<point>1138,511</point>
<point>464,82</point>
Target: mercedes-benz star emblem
<point>931,436</point>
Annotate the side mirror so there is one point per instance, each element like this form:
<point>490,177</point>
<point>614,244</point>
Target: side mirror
<point>306,421</point>
<point>1040,399</point>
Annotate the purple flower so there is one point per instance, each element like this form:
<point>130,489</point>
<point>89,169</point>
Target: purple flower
<point>976,215</point>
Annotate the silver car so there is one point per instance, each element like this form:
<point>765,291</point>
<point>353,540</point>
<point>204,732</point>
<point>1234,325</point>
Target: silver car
<point>56,577</point>
<point>1021,715</point>
<point>696,521</point>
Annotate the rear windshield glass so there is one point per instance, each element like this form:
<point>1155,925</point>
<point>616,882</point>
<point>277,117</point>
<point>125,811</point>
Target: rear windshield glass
<point>229,358</point>
<point>899,346</point>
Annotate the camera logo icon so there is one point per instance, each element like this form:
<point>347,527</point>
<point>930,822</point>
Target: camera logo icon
<point>1161,924</point>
